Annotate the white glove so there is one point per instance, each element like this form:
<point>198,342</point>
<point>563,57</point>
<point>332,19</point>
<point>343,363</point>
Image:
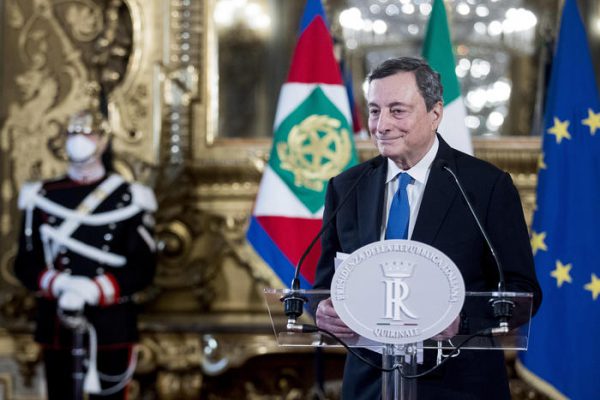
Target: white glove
<point>60,284</point>
<point>71,301</point>
<point>85,288</point>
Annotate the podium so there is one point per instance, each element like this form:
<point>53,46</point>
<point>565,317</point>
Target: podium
<point>397,295</point>
<point>476,315</point>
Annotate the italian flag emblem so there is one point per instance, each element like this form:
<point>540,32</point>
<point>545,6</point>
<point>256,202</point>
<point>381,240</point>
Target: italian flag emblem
<point>312,142</point>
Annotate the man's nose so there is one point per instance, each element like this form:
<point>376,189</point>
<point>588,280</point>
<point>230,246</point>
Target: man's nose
<point>384,121</point>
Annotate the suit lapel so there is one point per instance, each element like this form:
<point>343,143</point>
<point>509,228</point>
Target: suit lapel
<point>439,194</point>
<point>370,204</point>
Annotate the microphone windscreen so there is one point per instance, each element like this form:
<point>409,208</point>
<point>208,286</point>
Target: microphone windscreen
<point>440,163</point>
<point>377,161</point>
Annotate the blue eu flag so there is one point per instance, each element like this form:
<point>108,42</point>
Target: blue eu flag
<point>563,359</point>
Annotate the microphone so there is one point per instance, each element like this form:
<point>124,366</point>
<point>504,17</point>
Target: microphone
<point>293,302</point>
<point>502,306</point>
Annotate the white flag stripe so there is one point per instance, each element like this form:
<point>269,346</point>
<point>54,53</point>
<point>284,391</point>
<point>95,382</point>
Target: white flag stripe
<point>290,97</point>
<point>293,94</point>
<point>453,129</point>
<point>276,199</point>
<point>339,96</point>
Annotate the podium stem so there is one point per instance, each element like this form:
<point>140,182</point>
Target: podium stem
<point>394,385</point>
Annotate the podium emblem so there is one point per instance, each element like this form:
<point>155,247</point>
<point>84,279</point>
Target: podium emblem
<point>398,291</point>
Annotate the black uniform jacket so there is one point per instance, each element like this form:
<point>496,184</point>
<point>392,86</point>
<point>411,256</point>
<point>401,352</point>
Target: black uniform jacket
<point>115,323</point>
<point>443,222</point>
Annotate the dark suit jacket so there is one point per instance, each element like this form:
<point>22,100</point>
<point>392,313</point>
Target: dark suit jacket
<point>443,222</point>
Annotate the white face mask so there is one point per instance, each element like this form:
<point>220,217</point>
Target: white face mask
<point>80,148</point>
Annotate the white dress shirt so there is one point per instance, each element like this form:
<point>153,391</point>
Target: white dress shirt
<point>420,173</point>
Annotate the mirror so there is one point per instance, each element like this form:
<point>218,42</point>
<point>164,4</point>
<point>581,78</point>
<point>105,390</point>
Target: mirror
<point>503,52</point>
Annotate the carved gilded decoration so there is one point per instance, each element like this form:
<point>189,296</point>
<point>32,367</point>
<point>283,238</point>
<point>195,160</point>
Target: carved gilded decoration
<point>205,323</point>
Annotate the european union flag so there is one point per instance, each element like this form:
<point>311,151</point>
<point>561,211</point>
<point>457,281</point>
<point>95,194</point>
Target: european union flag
<point>564,356</point>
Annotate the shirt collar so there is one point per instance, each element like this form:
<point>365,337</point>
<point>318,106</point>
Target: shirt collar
<point>419,171</point>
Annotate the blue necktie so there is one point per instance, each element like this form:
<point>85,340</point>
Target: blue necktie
<point>397,227</point>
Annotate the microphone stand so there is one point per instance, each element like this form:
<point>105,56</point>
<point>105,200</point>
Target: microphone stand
<point>293,302</point>
<point>502,307</point>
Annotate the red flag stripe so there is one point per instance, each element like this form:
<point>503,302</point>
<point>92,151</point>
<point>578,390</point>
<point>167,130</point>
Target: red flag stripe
<point>313,60</point>
<point>292,236</point>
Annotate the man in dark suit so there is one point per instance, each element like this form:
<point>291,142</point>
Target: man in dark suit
<point>405,110</point>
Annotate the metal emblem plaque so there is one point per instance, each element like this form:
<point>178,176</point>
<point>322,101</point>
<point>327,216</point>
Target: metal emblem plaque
<point>397,291</point>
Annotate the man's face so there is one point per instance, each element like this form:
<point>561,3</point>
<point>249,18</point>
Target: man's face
<point>83,148</point>
<point>399,122</point>
<point>86,140</point>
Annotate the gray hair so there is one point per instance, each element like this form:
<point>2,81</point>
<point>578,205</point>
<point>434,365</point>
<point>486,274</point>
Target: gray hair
<point>428,81</point>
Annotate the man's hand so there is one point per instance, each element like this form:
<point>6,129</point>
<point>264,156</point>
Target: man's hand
<point>71,301</point>
<point>76,291</point>
<point>450,331</point>
<point>59,284</point>
<point>328,319</point>
<point>85,288</point>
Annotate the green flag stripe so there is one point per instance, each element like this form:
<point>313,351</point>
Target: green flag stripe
<point>437,50</point>
<point>312,144</point>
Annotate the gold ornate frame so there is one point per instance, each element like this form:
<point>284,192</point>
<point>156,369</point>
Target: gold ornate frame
<point>204,317</point>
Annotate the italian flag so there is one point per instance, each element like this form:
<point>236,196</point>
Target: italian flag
<point>437,50</point>
<point>312,142</point>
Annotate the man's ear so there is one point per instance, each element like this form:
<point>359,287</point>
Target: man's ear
<point>436,113</point>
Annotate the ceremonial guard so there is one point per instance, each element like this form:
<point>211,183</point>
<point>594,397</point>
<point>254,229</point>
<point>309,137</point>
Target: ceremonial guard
<point>86,247</point>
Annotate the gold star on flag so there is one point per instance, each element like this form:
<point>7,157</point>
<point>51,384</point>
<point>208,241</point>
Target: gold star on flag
<point>541,163</point>
<point>561,273</point>
<point>560,130</point>
<point>593,121</point>
<point>594,286</point>
<point>537,242</point>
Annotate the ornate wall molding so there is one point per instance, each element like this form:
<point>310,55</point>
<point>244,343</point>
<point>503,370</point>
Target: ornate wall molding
<point>204,320</point>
